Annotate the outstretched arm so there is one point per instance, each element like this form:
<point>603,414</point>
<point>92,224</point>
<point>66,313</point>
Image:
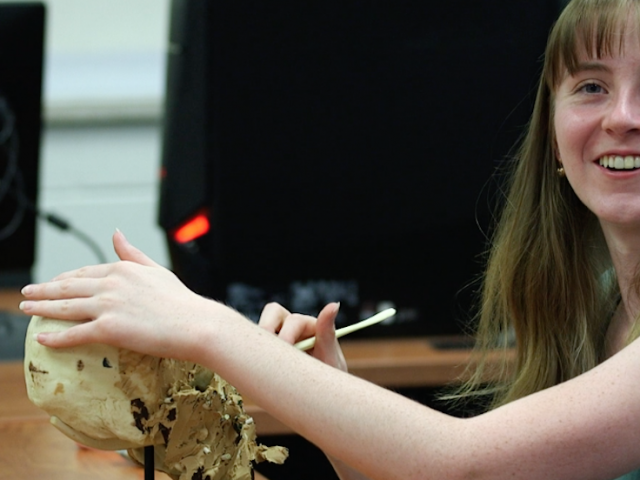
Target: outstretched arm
<point>588,427</point>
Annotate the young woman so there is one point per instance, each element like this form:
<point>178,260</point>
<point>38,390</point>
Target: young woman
<point>563,274</point>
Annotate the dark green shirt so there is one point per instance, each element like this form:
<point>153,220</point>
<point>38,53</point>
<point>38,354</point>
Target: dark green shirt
<point>631,476</point>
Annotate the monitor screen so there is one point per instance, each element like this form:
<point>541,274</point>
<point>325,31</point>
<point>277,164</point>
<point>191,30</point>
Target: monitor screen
<point>344,150</point>
<point>21,59</point>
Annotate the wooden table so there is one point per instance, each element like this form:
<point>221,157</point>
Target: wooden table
<point>32,448</point>
<point>10,299</point>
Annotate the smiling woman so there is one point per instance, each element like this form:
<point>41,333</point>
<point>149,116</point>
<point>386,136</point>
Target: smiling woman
<point>585,114</point>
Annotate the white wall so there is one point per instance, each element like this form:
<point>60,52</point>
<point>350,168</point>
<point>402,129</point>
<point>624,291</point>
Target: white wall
<point>105,57</point>
<point>103,93</point>
<point>99,178</point>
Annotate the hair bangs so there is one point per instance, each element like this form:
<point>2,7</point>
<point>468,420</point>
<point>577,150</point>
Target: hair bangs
<point>591,28</point>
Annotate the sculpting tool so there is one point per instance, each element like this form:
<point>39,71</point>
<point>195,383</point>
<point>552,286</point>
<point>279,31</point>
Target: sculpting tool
<point>341,332</point>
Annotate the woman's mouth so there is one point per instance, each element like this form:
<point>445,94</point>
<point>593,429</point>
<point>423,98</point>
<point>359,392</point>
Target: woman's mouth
<point>619,162</point>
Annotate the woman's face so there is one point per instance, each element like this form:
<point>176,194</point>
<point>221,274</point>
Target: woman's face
<point>597,125</point>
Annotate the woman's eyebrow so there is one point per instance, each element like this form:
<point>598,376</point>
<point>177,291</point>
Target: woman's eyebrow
<point>591,67</point>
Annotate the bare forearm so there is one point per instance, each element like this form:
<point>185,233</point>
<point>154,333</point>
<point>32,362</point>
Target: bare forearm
<point>562,432</point>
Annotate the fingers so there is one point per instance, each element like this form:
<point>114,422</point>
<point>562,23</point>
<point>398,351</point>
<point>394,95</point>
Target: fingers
<point>128,252</point>
<point>79,334</point>
<point>76,309</point>
<point>297,327</point>
<point>326,325</point>
<point>91,271</point>
<point>290,327</point>
<point>69,287</point>
<point>67,299</point>
<point>273,316</point>
<point>327,348</point>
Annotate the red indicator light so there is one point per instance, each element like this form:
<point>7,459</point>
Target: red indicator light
<point>192,229</point>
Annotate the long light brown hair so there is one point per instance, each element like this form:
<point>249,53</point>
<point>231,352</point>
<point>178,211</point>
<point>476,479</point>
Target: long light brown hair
<point>549,279</point>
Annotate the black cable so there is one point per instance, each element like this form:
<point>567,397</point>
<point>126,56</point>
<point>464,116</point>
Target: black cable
<point>53,220</point>
<point>12,183</point>
<point>65,226</point>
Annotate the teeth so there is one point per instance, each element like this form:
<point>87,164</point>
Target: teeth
<point>628,162</point>
<point>618,162</point>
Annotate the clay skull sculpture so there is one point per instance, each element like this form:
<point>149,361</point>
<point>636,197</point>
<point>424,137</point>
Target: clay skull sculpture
<point>116,399</point>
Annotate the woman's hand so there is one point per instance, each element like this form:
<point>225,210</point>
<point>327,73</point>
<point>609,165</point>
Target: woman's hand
<point>134,304</point>
<point>293,327</point>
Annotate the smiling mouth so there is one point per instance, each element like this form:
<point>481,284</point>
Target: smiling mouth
<point>618,162</point>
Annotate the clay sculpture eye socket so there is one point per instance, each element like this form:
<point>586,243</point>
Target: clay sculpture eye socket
<point>114,399</point>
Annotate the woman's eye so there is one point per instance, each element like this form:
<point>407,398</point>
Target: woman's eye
<point>591,88</point>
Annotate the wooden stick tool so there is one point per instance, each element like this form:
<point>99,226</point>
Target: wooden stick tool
<point>341,332</point>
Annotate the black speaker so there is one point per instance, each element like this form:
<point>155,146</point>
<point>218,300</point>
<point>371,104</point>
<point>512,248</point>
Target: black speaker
<point>343,150</point>
<point>21,58</point>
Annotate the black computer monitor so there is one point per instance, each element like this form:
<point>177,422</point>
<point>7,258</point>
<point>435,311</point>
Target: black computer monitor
<point>342,150</point>
<point>21,63</point>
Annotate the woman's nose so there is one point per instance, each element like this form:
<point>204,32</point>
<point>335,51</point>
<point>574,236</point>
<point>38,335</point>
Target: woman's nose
<point>623,115</point>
